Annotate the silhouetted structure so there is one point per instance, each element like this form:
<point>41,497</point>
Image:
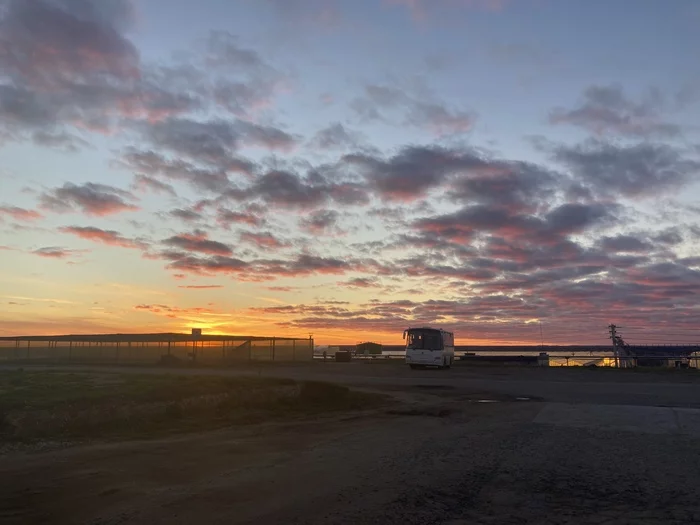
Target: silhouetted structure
<point>368,349</point>
<point>662,355</point>
<point>151,348</point>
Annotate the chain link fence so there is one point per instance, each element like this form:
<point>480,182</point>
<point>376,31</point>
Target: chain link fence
<point>151,349</point>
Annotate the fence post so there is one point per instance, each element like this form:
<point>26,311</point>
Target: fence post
<point>294,350</point>
<point>273,348</point>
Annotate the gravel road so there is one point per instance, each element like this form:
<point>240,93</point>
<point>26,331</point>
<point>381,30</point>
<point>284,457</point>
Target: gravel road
<point>585,447</point>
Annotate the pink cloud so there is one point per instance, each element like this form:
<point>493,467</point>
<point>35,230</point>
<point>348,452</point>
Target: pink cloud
<point>198,241</point>
<point>109,237</point>
<point>93,199</point>
<point>20,214</point>
<point>55,252</point>
<point>263,240</point>
<point>202,287</point>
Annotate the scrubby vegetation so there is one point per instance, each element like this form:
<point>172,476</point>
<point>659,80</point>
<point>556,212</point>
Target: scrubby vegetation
<point>82,406</point>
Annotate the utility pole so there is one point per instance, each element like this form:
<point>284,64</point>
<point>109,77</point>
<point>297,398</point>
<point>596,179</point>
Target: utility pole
<point>613,336</point>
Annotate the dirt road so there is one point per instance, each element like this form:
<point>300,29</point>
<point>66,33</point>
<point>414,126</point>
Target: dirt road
<point>437,456</point>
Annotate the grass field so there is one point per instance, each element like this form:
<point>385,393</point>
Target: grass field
<point>64,406</point>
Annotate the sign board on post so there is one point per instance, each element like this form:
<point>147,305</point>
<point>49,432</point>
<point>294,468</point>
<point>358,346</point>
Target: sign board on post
<point>196,333</point>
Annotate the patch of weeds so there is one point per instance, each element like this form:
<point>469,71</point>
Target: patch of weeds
<point>56,405</point>
<point>173,411</point>
<point>319,392</point>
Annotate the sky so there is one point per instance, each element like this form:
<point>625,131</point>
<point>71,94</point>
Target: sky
<point>515,171</point>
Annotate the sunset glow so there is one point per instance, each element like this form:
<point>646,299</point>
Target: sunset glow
<point>350,168</point>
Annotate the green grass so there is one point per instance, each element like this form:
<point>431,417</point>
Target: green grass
<point>82,406</point>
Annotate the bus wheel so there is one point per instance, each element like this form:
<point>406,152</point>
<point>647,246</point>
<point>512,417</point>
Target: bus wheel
<point>414,367</point>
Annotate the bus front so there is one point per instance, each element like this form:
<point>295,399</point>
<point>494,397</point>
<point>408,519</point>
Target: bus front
<point>424,347</point>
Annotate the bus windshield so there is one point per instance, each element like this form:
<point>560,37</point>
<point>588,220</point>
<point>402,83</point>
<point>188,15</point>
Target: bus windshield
<point>424,340</point>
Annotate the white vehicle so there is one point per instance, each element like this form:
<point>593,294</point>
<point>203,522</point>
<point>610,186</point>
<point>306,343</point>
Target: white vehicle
<point>429,347</point>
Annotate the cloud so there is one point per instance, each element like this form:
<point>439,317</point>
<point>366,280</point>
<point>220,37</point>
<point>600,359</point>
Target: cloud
<point>202,287</point>
<point>574,304</point>
<point>214,142</point>
<point>207,179</point>
<point>204,153</point>
<point>185,215</point>
<point>640,170</point>
<point>20,214</point>
<point>393,105</point>
<point>518,186</point>
<point>412,172</point>
<point>69,67</point>
<point>464,225</point>
<point>268,137</point>
<point>59,140</point>
<point>108,237</point>
<point>321,222</point>
<point>669,236</point>
<point>261,270</point>
<point>55,252</point>
<point>211,143</point>
<point>77,36</point>
<point>336,136</point>
<point>290,190</point>
<point>282,288</point>
<point>248,84</point>
<point>176,312</point>
<point>607,110</point>
<point>263,240</point>
<point>182,262</point>
<point>223,49</point>
<point>440,120</point>
<point>362,282</point>
<point>145,183</point>
<point>65,63</point>
<point>198,241</point>
<point>626,243</point>
<point>225,218</point>
<point>90,198</point>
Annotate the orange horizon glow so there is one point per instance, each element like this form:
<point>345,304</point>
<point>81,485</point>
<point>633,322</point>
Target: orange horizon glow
<point>321,338</point>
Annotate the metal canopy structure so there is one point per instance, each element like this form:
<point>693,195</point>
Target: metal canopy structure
<point>141,338</point>
<point>153,348</point>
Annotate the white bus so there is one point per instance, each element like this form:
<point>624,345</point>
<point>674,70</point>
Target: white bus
<point>429,347</point>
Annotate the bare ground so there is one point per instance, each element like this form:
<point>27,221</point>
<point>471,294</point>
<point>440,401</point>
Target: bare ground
<point>436,456</point>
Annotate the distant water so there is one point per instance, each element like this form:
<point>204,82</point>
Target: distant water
<point>557,356</point>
